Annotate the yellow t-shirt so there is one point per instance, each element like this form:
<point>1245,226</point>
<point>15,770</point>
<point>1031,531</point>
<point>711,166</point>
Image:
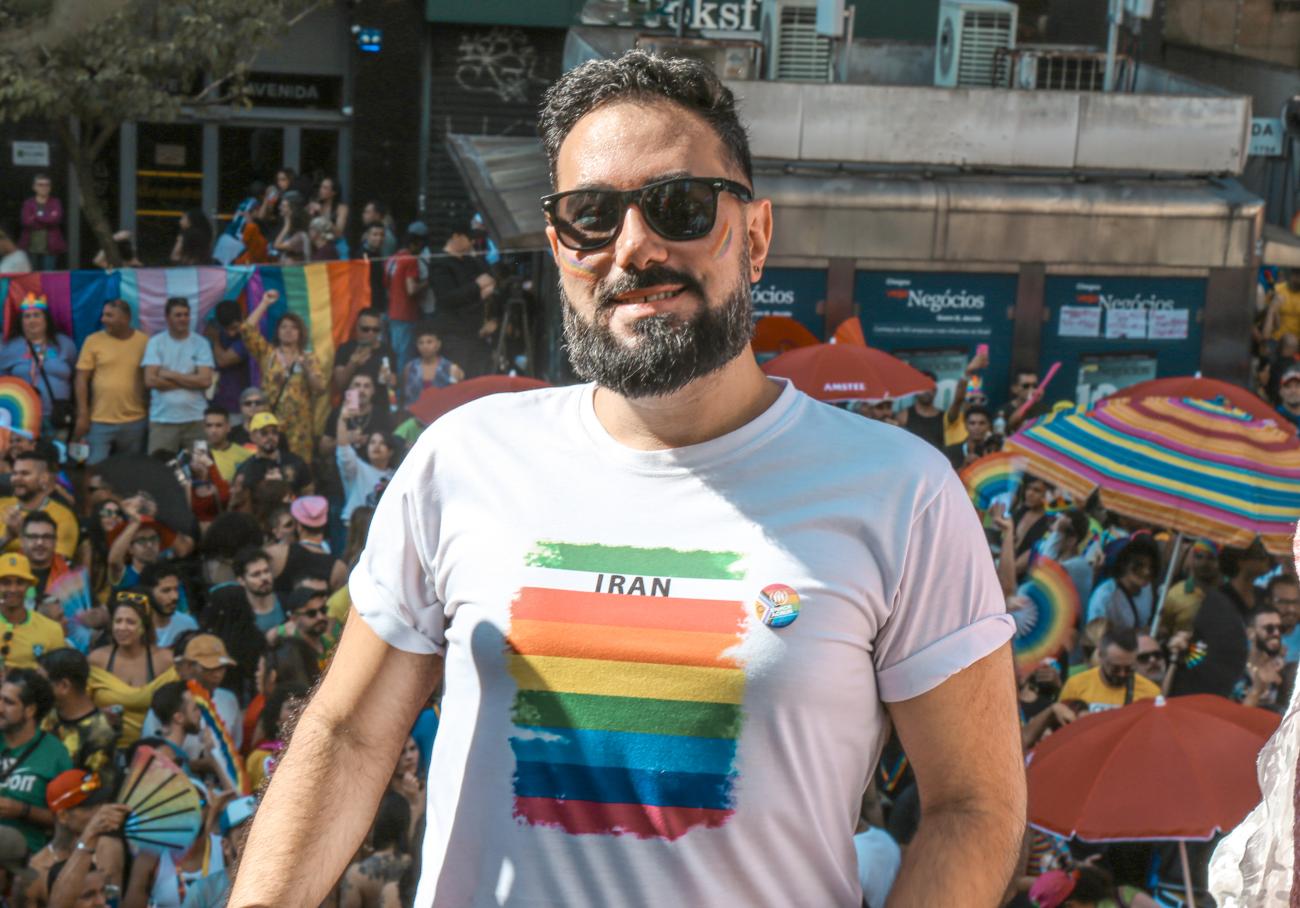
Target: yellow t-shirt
<point>340,603</point>
<point>1288,310</point>
<point>1088,687</point>
<point>67,528</point>
<point>33,638</point>
<point>228,461</point>
<point>116,381</point>
<point>954,430</point>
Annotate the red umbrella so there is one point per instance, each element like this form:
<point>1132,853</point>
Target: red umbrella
<point>1179,769</point>
<point>435,402</point>
<point>849,332</point>
<point>844,372</point>
<point>779,333</point>
<point>1198,389</point>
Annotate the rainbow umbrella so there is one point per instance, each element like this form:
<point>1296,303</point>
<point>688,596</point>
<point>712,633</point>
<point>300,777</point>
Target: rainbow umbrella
<point>1051,608</point>
<point>994,477</point>
<point>1200,468</point>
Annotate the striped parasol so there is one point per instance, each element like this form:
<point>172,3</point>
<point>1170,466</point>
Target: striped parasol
<point>1198,467</point>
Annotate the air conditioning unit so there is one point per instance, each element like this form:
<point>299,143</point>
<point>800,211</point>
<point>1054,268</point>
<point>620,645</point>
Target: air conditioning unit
<point>1064,68</point>
<point>795,52</point>
<point>971,34</point>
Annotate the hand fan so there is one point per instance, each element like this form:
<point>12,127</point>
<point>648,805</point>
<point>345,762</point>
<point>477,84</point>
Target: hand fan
<point>166,812</point>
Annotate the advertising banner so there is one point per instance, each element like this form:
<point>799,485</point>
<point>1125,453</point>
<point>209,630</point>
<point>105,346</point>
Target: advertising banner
<point>943,314</point>
<point>797,293</point>
<point>1111,332</point>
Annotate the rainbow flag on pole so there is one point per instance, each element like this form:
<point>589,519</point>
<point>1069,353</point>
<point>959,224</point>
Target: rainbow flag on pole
<point>328,296</point>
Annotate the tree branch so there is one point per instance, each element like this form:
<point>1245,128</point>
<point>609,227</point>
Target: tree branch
<point>243,66</point>
<point>66,18</point>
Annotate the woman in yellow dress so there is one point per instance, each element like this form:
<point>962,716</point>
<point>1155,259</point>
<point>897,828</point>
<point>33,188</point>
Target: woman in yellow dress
<point>292,377</point>
<point>127,672</point>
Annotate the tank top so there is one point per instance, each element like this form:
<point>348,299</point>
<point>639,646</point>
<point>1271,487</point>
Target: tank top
<point>303,562</point>
<point>928,427</point>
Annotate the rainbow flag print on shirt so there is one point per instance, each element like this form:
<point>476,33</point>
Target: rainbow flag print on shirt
<point>629,702</point>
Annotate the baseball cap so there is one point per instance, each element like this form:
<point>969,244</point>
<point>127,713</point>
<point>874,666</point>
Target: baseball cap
<point>301,596</point>
<point>417,228</point>
<point>262,420</point>
<point>310,510</point>
<point>1290,372</point>
<point>15,565</point>
<point>208,651</point>
<point>238,812</point>
<point>71,788</point>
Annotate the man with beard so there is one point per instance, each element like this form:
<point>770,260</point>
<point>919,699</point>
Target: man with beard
<point>1262,684</point>
<point>1115,681</point>
<point>29,758</point>
<point>309,621</point>
<point>637,563</point>
<point>1183,601</point>
<point>178,719</point>
<point>269,460</point>
<point>26,634</point>
<point>33,482</point>
<point>162,580</point>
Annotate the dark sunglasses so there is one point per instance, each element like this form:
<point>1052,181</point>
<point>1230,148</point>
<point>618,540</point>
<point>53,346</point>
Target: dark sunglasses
<point>678,209</point>
<point>253,402</point>
<point>367,329</point>
<point>1148,658</point>
<point>314,612</point>
<point>1270,629</point>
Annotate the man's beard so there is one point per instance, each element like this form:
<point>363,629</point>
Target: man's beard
<point>670,352</point>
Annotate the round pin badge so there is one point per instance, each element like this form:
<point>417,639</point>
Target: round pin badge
<point>777,605</point>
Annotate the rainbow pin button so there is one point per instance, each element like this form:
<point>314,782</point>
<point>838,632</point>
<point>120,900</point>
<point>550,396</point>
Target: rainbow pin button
<point>777,605</point>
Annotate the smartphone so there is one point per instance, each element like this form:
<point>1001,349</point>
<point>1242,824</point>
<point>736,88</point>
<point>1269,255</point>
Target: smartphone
<point>352,399</point>
<point>200,446</point>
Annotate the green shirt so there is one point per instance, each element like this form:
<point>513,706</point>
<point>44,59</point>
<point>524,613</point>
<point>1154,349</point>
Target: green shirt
<point>26,782</point>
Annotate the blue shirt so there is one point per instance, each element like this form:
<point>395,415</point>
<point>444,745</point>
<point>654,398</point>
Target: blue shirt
<point>58,358</point>
<point>1289,416</point>
<point>186,357</point>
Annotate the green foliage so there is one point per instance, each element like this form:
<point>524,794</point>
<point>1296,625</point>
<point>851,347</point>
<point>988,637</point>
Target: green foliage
<point>109,61</point>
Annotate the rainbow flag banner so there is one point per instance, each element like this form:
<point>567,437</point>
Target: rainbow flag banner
<point>629,702</point>
<point>328,295</point>
<point>1043,626</point>
<point>994,477</point>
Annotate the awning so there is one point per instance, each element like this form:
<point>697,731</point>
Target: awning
<point>506,177</point>
<point>890,217</point>
<point>1281,247</point>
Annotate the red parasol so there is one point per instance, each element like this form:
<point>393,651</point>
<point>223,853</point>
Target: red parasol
<point>778,333</point>
<point>435,402</point>
<point>1190,386</point>
<point>844,372</point>
<point>849,332</point>
<point>1181,770</point>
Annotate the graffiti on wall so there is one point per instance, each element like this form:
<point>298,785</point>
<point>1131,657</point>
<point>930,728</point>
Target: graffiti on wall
<point>500,62</point>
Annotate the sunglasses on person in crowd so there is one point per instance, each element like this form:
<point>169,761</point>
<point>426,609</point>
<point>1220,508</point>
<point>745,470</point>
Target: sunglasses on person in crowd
<point>367,329</point>
<point>113,511</point>
<point>314,612</point>
<point>253,402</point>
<point>678,209</point>
<point>1148,658</point>
<point>1270,629</point>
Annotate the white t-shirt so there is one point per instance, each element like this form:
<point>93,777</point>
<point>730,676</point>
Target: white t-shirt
<point>618,726</point>
<point>183,356</point>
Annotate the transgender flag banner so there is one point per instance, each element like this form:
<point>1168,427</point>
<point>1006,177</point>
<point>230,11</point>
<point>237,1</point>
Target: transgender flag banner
<point>328,296</point>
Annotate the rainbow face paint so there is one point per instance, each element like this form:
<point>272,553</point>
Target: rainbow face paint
<point>724,244</point>
<point>570,264</point>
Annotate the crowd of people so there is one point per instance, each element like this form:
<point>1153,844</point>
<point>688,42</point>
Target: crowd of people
<point>118,623</point>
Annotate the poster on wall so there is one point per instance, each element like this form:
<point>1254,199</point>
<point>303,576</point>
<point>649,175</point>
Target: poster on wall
<point>1103,375</point>
<point>909,312</point>
<point>1111,332</point>
<point>797,293</point>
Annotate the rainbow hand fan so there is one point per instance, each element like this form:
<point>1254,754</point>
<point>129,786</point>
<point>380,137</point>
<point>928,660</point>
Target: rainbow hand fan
<point>166,811</point>
<point>1045,624</point>
<point>224,751</point>
<point>72,590</point>
<point>20,407</point>
<point>994,477</point>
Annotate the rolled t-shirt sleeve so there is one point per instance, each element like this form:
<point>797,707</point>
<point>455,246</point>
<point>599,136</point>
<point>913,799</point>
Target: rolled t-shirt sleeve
<point>949,611</point>
<point>392,586</point>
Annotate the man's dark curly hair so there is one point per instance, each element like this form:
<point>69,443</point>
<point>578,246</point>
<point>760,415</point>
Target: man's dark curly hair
<point>641,77</point>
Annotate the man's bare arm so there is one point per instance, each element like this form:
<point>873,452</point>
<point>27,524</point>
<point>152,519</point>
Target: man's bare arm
<point>963,742</point>
<point>347,742</point>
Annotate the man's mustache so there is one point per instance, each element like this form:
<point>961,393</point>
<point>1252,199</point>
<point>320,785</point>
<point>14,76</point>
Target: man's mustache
<point>654,276</point>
